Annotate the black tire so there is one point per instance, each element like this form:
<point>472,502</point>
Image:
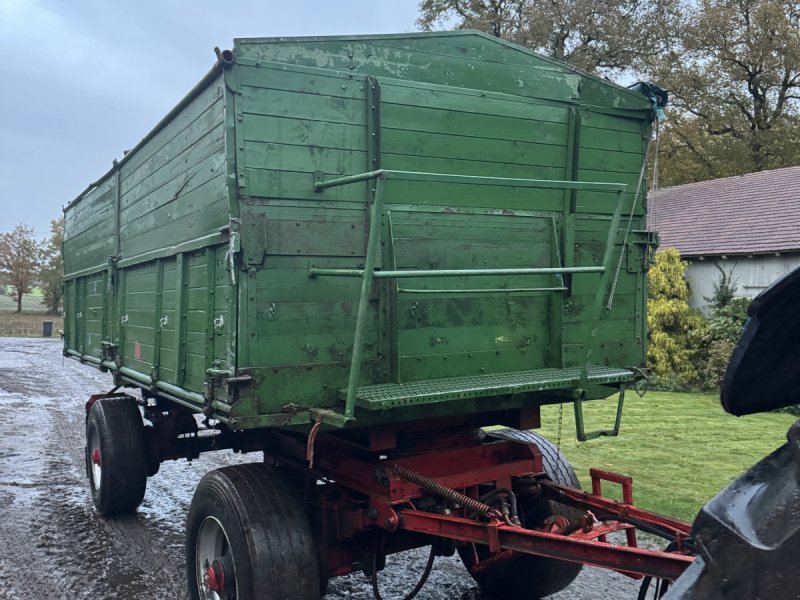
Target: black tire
<point>531,577</point>
<point>116,460</point>
<point>250,518</point>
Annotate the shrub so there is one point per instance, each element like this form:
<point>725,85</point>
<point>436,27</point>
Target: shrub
<point>716,344</point>
<point>672,324</point>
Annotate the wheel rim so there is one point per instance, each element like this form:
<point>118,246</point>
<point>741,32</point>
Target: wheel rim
<point>216,575</point>
<point>95,466</point>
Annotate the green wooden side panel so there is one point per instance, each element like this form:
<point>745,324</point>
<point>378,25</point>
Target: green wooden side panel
<point>458,59</point>
<point>165,312</point>
<point>174,189</point>
<point>298,124</point>
<point>89,229</point>
<point>176,317</point>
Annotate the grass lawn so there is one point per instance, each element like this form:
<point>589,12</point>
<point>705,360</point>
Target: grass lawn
<point>680,449</point>
<point>29,322</point>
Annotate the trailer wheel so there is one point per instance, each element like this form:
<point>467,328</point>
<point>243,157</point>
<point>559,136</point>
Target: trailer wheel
<point>530,577</point>
<point>248,538</point>
<point>116,461</point>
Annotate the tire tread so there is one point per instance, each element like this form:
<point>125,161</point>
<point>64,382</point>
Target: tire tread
<point>122,441</point>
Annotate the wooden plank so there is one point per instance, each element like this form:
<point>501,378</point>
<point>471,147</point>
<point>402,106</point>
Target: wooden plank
<point>286,285</point>
<point>429,366</point>
<point>481,338</point>
<point>599,139</point>
<point>197,202</point>
<point>398,141</point>
<point>195,224</point>
<point>609,161</point>
<point>290,130</point>
<point>311,347</point>
<point>320,316</point>
<point>88,249</point>
<point>299,185</point>
<point>178,149</point>
<point>313,237</point>
<point>281,103</point>
<point>607,329</point>
<point>424,254</point>
<point>178,124</point>
<point>321,83</point>
<point>204,163</point>
<point>95,209</point>
<point>441,98</point>
<point>469,196</point>
<point>455,166</point>
<point>617,124</point>
<point>288,157</point>
<point>440,120</point>
<point>374,58</point>
<point>517,312</point>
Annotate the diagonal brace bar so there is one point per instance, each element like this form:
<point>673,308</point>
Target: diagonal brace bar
<point>663,565</point>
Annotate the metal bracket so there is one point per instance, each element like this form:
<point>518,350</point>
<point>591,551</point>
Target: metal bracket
<point>580,429</point>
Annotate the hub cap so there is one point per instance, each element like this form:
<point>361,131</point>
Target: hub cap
<point>216,576</point>
<point>95,468</point>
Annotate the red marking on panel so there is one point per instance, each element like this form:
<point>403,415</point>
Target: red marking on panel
<point>137,351</point>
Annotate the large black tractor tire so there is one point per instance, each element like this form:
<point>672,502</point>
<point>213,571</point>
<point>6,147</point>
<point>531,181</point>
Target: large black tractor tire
<point>530,577</point>
<point>116,458</point>
<point>248,524</point>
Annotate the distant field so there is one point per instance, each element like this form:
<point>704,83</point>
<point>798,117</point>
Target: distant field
<point>29,322</point>
<point>681,449</point>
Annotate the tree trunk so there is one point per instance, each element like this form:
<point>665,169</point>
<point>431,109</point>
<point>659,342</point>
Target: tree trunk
<point>19,301</point>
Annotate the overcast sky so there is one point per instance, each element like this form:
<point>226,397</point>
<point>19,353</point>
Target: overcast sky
<point>82,80</point>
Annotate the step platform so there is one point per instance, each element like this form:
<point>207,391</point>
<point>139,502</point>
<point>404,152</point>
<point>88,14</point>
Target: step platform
<point>429,391</point>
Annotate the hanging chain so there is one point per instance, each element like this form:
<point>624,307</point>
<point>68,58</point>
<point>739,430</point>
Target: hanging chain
<point>560,424</point>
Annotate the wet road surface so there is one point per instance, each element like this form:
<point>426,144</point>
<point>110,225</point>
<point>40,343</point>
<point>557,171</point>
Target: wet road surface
<point>54,545</point>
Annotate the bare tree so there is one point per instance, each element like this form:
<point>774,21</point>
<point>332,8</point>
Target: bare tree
<point>20,260</point>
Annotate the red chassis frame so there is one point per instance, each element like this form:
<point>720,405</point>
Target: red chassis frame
<point>363,497</point>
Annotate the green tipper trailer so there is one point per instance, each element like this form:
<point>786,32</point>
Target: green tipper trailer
<point>369,238</point>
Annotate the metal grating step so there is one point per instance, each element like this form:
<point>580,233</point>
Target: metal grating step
<point>392,395</point>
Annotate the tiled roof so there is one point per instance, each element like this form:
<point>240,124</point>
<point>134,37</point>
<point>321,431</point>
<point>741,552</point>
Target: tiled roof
<point>747,214</point>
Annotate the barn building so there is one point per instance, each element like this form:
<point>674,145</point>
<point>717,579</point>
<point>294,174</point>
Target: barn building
<point>748,225</point>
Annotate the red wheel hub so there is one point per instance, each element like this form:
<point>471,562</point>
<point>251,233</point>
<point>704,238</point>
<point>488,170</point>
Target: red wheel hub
<point>215,582</point>
<point>215,577</point>
<point>96,456</point>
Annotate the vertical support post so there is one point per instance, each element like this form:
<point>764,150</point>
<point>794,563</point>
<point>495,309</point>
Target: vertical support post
<point>122,318</point>
<point>211,289</point>
<point>565,255</point>
<point>157,326</point>
<point>373,124</point>
<point>555,354</point>
<point>117,210</point>
<point>80,317</point>
<point>571,196</point>
<point>363,301</point>
<point>181,317</point>
<point>104,333</point>
<point>392,286</point>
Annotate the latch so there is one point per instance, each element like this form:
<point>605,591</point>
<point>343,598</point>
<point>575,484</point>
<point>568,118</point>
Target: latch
<point>641,250</point>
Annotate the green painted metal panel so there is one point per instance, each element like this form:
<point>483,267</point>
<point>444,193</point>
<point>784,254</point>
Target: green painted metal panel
<point>210,249</point>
